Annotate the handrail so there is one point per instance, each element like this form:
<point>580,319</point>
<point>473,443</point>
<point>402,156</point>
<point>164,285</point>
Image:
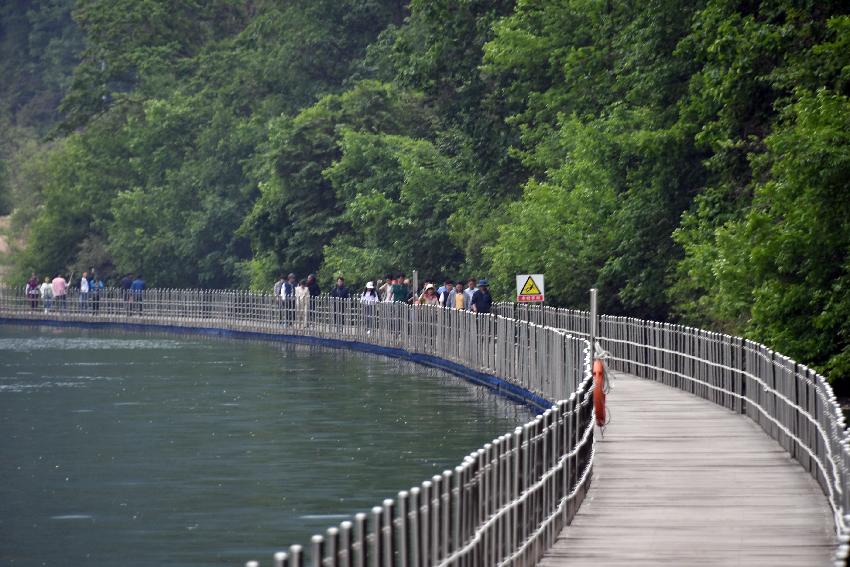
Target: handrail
<point>792,403</point>
<point>505,504</point>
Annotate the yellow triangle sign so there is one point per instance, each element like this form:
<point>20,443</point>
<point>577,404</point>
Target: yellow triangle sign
<point>530,288</point>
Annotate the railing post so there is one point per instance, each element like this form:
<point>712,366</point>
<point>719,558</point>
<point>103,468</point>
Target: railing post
<point>594,322</point>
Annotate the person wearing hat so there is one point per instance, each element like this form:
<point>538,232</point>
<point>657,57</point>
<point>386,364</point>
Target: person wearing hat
<point>482,301</point>
<point>429,296</point>
<point>369,294</point>
<point>369,298</point>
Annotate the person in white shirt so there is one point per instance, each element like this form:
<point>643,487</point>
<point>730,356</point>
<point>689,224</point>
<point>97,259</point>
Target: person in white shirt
<point>388,294</point>
<point>302,302</point>
<point>369,294</point>
<point>287,298</point>
<point>369,299</point>
<point>468,293</point>
<point>46,290</point>
<point>84,291</point>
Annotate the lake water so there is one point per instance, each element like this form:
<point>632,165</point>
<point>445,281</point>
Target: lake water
<point>151,449</point>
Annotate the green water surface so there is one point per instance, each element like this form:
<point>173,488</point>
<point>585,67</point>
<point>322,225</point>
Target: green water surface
<point>152,449</point>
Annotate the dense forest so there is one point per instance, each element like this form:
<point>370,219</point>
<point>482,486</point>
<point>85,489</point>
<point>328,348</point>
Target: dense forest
<point>689,158</point>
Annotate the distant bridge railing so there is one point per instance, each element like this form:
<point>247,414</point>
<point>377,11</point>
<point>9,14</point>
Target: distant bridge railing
<point>792,403</point>
<point>507,501</point>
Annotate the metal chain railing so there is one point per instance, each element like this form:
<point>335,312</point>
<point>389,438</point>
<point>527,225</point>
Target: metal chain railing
<point>792,403</point>
<point>504,505</point>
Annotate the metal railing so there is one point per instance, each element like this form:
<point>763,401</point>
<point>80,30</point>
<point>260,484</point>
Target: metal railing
<point>507,501</point>
<point>792,403</point>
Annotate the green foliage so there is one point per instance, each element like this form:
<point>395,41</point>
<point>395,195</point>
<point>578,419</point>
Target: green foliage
<point>179,96</point>
<point>785,266</point>
<point>298,211</point>
<point>614,71</point>
<point>767,108</point>
<point>438,52</point>
<point>559,227</point>
<point>141,45</point>
<point>78,178</point>
<point>398,194</point>
<point>40,46</point>
<point>689,159</point>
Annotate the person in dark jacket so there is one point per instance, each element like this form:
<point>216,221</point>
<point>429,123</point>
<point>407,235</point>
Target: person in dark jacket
<point>33,291</point>
<point>313,286</point>
<point>340,291</point>
<point>138,289</point>
<point>126,283</point>
<point>287,297</point>
<point>446,295</point>
<point>482,301</point>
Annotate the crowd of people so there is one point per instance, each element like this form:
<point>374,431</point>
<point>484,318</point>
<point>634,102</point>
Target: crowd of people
<point>394,288</point>
<point>473,295</point>
<point>52,293</point>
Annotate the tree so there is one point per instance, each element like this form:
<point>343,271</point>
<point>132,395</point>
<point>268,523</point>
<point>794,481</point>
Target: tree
<point>298,212</point>
<point>785,266</point>
<point>397,194</point>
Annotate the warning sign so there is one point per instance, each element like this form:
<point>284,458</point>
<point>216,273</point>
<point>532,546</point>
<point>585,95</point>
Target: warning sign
<point>529,288</point>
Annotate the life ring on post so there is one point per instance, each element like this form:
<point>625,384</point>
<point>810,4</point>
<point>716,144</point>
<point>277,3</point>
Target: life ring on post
<point>599,391</point>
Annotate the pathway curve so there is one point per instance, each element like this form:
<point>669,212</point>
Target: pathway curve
<point>681,481</point>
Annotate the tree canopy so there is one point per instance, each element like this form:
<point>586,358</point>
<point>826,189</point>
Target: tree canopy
<point>689,159</point>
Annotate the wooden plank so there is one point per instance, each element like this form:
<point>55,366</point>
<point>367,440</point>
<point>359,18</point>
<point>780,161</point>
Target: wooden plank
<point>681,481</point>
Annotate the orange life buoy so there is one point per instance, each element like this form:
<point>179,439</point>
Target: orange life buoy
<point>599,391</point>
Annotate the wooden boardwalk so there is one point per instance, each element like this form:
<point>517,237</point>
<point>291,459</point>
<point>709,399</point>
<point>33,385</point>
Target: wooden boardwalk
<point>681,481</point>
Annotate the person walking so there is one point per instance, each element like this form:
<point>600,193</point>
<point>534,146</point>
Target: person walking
<point>399,290</point>
<point>84,292</point>
<point>278,285</point>
<point>287,294</point>
<point>369,298</point>
<point>340,291</point>
<point>385,288</point>
<point>302,302</point>
<point>468,293</point>
<point>288,289</point>
<point>313,286</point>
<point>32,291</point>
<point>369,295</point>
<point>46,294</point>
<point>482,301</point>
<point>60,289</point>
<point>457,297</point>
<point>277,292</point>
<point>138,290</point>
<point>446,295</point>
<point>411,293</point>
<point>338,296</point>
<point>126,283</point>
<point>429,296</point>
<point>95,287</point>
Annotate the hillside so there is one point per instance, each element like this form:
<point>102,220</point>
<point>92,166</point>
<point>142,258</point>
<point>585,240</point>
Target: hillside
<point>689,159</point>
